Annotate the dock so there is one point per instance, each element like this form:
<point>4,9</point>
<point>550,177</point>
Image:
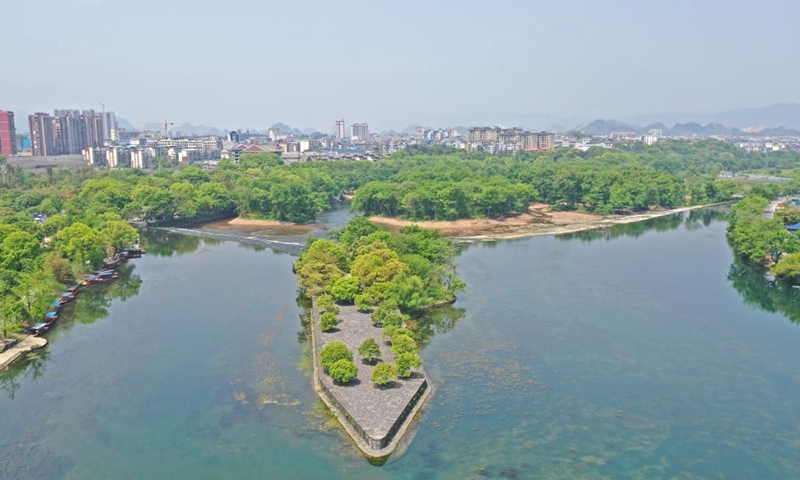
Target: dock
<point>26,345</point>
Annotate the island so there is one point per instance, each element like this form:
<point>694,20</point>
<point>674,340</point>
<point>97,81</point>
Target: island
<point>366,285</point>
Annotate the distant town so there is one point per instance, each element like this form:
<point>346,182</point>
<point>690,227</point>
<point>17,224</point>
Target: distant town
<point>94,138</point>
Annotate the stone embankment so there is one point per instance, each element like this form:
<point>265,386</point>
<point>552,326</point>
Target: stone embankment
<point>376,418</point>
<point>29,343</point>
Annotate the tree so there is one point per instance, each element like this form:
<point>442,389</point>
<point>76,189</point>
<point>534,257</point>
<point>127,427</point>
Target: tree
<point>333,352</point>
<point>345,289</point>
<point>119,235</point>
<point>342,371</point>
<point>11,315</point>
<point>384,374</point>
<point>18,250</point>
<point>788,269</point>
<point>58,267</point>
<point>405,362</point>
<point>328,321</point>
<point>402,343</point>
<point>81,244</point>
<point>370,350</point>
<point>318,277</point>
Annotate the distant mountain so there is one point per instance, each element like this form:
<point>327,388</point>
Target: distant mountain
<point>310,131</point>
<point>656,126</point>
<point>785,114</point>
<point>689,129</point>
<point>122,123</point>
<point>185,129</point>
<point>605,127</point>
<point>287,129</point>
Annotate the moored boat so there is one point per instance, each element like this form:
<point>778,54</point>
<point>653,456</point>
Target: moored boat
<point>51,317</point>
<point>39,329</point>
<point>66,297</point>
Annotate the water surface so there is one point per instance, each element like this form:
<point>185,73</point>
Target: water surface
<point>621,353</point>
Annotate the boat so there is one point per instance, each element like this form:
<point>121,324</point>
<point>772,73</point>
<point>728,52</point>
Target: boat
<point>66,297</point>
<point>132,253</point>
<point>39,329</point>
<point>91,280</point>
<point>51,317</point>
<point>107,275</point>
<point>112,262</point>
<point>57,305</point>
<point>74,289</point>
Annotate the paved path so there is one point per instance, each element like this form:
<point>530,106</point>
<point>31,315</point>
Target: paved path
<point>29,343</point>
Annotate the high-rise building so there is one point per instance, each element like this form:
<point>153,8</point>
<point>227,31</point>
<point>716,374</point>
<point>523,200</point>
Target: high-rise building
<point>340,129</point>
<point>8,134</point>
<point>42,139</point>
<point>109,123</point>
<point>359,132</point>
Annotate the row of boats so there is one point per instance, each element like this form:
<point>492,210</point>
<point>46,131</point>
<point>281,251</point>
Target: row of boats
<point>102,276</point>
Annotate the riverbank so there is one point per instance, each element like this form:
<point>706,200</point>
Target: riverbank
<point>28,344</point>
<point>376,419</point>
<point>540,220</point>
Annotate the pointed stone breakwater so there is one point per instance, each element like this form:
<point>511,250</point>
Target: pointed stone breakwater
<point>375,418</point>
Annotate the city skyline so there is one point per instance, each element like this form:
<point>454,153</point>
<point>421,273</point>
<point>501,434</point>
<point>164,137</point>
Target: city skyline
<point>431,62</point>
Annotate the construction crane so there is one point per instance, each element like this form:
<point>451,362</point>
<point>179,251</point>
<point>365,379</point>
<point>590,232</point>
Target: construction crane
<point>166,128</point>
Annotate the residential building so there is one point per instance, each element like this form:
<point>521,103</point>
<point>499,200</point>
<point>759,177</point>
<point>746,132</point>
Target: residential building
<point>8,134</point>
<point>42,140</point>
<point>359,132</point>
<point>340,129</point>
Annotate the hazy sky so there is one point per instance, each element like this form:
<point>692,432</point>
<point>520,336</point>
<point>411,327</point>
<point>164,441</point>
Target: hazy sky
<point>250,63</point>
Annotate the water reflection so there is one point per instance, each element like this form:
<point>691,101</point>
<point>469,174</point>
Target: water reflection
<point>165,243</point>
<point>91,305</point>
<point>32,367</point>
<point>759,290</point>
<point>691,220</point>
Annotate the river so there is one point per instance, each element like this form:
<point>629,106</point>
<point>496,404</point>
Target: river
<point>633,352</point>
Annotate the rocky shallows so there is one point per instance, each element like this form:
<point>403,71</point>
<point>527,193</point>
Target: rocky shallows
<point>375,417</point>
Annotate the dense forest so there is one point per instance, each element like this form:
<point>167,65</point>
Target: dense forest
<point>57,226</point>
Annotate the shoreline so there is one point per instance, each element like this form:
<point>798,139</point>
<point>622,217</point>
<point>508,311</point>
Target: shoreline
<point>533,224</point>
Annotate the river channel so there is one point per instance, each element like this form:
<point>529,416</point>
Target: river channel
<point>640,351</point>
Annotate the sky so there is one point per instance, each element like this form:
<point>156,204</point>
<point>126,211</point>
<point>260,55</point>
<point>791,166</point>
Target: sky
<point>251,63</point>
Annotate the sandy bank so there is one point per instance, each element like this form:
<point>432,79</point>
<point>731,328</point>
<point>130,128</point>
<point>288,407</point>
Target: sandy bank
<point>258,222</point>
<point>540,220</point>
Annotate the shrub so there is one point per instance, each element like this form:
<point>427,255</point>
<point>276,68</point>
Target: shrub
<point>406,362</point>
<point>402,343</point>
<point>345,289</point>
<point>370,350</point>
<point>363,302</point>
<point>394,319</point>
<point>328,321</point>
<point>343,371</point>
<point>386,308</point>
<point>333,352</point>
<point>384,373</point>
<point>324,302</point>
<point>389,332</point>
